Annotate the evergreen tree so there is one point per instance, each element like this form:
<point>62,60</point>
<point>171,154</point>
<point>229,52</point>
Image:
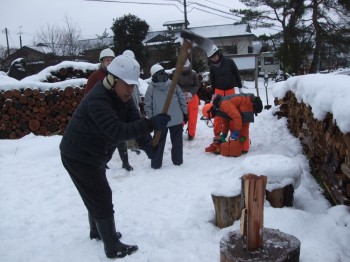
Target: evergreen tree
<point>129,32</point>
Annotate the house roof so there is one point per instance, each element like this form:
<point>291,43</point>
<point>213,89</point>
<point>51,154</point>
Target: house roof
<point>220,31</point>
<point>157,37</point>
<point>214,31</point>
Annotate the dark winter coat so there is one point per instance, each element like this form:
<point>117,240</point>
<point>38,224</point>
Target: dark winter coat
<point>188,81</point>
<point>99,124</point>
<point>224,75</point>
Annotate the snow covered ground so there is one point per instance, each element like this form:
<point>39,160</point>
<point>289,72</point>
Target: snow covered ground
<point>168,212</point>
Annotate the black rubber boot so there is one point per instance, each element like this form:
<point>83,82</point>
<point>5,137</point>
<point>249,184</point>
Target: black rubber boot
<point>113,247</point>
<point>93,229</point>
<point>123,153</point>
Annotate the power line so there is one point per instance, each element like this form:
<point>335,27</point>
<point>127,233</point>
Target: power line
<point>132,2</point>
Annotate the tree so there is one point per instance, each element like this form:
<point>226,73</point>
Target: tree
<point>129,32</point>
<point>291,43</point>
<point>60,40</point>
<point>51,36</point>
<point>307,27</point>
<point>332,31</point>
<point>70,35</point>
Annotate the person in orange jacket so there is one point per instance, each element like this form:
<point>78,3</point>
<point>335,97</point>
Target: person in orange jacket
<point>224,75</point>
<point>189,83</point>
<point>234,113</point>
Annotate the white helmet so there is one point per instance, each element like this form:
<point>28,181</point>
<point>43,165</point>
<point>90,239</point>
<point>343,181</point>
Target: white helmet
<point>129,53</point>
<point>106,53</point>
<point>156,68</point>
<point>212,51</point>
<point>125,68</point>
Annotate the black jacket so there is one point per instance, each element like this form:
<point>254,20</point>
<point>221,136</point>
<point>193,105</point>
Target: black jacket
<point>99,124</point>
<point>224,75</point>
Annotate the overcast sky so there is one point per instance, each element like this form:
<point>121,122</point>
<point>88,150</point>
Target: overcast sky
<point>25,18</point>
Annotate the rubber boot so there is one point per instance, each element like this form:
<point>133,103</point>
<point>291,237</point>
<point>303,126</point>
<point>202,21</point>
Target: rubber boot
<point>113,247</point>
<point>93,229</point>
<point>123,153</point>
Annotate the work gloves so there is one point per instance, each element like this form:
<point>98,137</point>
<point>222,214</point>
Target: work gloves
<point>158,122</point>
<point>234,135</point>
<point>185,118</point>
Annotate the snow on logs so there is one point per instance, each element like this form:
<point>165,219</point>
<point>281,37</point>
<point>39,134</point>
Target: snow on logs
<point>327,148</point>
<point>283,176</point>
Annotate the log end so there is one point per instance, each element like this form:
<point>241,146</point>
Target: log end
<point>277,247</point>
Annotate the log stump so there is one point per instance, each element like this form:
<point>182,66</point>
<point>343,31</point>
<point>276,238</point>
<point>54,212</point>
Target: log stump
<point>281,197</point>
<point>227,209</point>
<point>277,247</point>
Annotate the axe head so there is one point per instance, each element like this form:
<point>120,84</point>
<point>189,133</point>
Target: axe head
<point>197,40</point>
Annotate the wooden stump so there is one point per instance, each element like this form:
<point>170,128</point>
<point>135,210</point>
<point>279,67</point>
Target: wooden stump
<point>277,247</point>
<point>281,197</point>
<point>227,209</point>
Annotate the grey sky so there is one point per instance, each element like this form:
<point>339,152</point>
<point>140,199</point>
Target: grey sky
<point>27,17</point>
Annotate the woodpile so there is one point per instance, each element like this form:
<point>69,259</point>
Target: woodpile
<point>28,110</point>
<point>66,73</point>
<point>327,148</point>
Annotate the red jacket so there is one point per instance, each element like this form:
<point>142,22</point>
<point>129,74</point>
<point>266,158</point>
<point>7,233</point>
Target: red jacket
<point>94,78</point>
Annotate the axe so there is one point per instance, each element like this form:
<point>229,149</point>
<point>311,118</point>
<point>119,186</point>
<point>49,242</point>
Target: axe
<point>190,39</point>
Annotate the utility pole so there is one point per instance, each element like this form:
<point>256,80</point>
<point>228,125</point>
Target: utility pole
<point>20,37</point>
<point>7,41</point>
<point>185,12</point>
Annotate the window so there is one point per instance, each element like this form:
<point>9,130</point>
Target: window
<point>270,61</point>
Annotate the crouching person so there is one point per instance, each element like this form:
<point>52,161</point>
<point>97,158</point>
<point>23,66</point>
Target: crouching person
<point>234,113</point>
<point>105,117</point>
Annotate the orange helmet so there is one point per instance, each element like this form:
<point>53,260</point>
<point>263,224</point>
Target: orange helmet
<point>207,111</point>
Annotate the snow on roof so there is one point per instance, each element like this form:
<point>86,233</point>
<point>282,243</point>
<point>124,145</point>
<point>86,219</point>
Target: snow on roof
<point>217,31</point>
<point>176,22</point>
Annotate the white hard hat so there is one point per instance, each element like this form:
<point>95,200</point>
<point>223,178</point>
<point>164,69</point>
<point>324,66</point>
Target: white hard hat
<point>212,51</point>
<point>129,53</point>
<point>106,53</point>
<point>125,68</point>
<point>156,68</point>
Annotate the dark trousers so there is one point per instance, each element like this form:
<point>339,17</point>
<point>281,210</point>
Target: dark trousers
<point>92,185</point>
<point>123,151</point>
<point>176,149</point>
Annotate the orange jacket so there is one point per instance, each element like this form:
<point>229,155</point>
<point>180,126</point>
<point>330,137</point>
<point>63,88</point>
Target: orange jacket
<point>239,108</point>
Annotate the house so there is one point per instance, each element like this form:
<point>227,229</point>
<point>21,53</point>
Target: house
<point>235,41</point>
<point>36,58</point>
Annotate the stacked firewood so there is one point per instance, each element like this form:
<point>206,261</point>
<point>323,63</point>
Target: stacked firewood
<point>327,148</point>
<point>24,111</point>
<point>66,73</point>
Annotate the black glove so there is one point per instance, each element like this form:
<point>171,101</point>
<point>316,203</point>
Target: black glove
<point>185,118</point>
<point>158,122</point>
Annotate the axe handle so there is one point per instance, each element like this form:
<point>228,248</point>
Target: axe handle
<point>179,64</point>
